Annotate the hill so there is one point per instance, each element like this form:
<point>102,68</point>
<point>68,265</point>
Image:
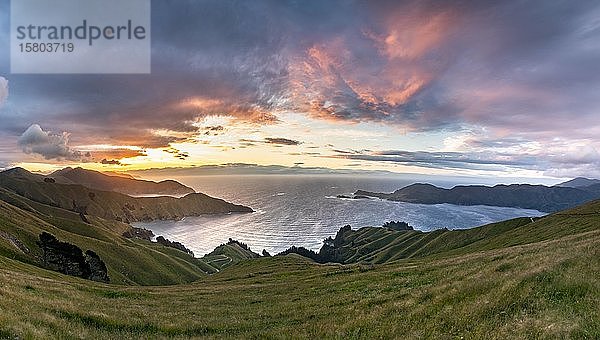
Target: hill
<point>129,261</point>
<point>516,279</point>
<point>579,182</point>
<point>122,183</point>
<point>112,205</point>
<point>538,197</point>
<point>119,183</point>
<point>229,254</point>
<point>522,278</point>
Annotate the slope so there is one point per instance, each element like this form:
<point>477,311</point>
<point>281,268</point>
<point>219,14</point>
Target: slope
<point>130,186</point>
<point>129,261</point>
<point>579,182</point>
<point>112,205</point>
<point>544,289</point>
<point>539,197</point>
<point>380,245</point>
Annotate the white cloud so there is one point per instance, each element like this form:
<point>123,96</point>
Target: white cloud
<point>49,145</point>
<point>3,90</point>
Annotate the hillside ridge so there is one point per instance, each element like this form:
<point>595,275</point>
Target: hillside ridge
<point>526,196</point>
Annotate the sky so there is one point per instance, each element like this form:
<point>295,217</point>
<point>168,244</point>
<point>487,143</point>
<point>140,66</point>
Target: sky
<point>483,88</point>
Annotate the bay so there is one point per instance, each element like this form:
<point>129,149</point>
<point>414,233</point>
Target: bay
<point>304,210</point>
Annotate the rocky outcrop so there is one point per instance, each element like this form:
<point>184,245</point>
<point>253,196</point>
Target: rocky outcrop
<point>15,242</point>
<point>140,233</point>
<point>69,259</point>
<point>172,244</point>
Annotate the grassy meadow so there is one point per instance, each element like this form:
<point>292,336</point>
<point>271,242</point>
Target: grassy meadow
<point>528,280</point>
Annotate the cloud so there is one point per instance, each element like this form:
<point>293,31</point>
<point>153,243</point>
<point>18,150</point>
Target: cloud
<point>182,155</point>
<point>49,145</point>
<point>118,153</point>
<point>276,141</point>
<point>443,160</point>
<point>111,162</point>
<point>246,169</point>
<point>549,161</point>
<point>379,73</point>
<point>427,65</point>
<point>282,141</point>
<point>3,90</point>
<point>521,70</point>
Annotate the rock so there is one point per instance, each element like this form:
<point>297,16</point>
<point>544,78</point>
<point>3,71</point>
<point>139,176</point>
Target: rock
<point>140,233</point>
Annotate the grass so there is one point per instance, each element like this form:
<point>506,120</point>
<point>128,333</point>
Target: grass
<point>128,261</point>
<point>539,290</point>
<point>514,279</point>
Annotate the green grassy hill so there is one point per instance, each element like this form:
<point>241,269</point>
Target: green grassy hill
<point>380,245</point>
<point>129,261</point>
<point>228,254</point>
<point>514,279</point>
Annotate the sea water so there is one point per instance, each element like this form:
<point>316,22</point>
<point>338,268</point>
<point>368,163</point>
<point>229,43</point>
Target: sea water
<point>304,210</point>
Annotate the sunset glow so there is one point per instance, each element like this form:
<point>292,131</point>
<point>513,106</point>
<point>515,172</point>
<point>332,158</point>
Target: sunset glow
<point>430,82</point>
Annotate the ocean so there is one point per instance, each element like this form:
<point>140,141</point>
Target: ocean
<point>304,210</point>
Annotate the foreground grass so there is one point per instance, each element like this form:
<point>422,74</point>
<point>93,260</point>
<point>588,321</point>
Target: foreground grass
<point>539,290</point>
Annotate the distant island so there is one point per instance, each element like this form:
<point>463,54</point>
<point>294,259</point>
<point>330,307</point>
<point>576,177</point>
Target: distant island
<point>526,196</point>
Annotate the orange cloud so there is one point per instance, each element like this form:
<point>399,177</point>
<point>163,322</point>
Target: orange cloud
<point>117,154</point>
<point>412,34</point>
<point>247,113</point>
<point>339,80</point>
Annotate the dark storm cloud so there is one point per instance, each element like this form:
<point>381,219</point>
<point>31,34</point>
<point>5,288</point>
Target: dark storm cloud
<point>428,65</point>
